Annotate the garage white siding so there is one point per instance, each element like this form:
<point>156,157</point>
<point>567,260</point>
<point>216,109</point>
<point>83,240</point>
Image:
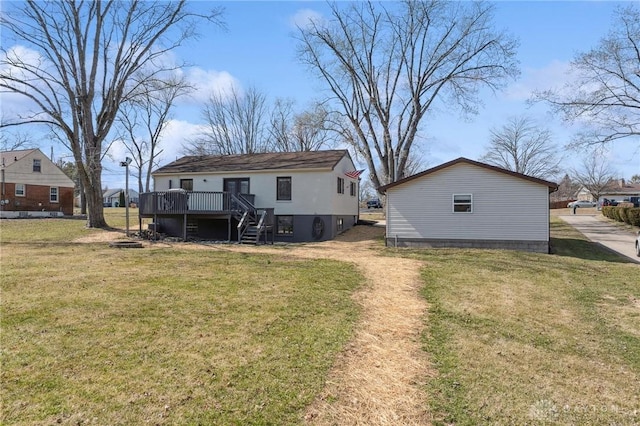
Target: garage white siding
<point>505,207</point>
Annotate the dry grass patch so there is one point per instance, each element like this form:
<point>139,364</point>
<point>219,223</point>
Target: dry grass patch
<point>95,335</point>
<point>522,338</point>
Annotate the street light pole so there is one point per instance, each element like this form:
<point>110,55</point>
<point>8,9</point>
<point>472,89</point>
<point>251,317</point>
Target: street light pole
<point>125,164</point>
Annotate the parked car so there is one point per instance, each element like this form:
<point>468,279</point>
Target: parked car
<point>638,244</point>
<point>581,203</point>
<point>374,204</point>
<point>607,202</point>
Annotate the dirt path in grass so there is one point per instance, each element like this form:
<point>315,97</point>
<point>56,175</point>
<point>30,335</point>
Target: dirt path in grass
<point>379,378</point>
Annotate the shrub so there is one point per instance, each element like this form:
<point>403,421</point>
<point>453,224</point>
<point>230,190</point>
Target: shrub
<point>607,211</point>
<point>629,215</point>
<point>633,216</point>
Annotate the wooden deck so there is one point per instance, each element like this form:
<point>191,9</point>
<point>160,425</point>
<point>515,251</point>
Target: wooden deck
<point>180,206</point>
<point>177,202</point>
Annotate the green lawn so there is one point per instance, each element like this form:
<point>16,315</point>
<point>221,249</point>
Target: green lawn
<point>96,335</point>
<point>520,338</point>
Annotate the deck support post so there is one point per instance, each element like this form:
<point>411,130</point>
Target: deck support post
<point>184,228</point>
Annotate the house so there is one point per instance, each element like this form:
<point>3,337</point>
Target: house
<point>111,197</point>
<point>465,203</point>
<point>32,185</point>
<point>619,190</point>
<point>284,196</point>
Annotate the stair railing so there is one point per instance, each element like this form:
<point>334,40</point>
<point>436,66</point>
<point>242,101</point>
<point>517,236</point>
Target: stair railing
<point>243,225</point>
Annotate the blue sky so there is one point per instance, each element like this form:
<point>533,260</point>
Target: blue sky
<point>258,49</point>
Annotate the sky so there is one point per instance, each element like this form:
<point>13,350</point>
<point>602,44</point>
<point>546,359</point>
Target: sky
<point>258,49</point>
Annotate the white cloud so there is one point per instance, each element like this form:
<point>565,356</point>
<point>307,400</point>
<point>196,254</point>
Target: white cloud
<point>207,82</point>
<point>552,76</point>
<point>304,17</point>
<point>176,134</point>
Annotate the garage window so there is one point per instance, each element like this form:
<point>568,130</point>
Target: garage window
<point>462,203</point>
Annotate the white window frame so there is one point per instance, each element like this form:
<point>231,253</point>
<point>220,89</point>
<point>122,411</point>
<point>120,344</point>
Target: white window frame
<point>57,195</point>
<point>37,165</point>
<point>22,193</point>
<point>462,203</point>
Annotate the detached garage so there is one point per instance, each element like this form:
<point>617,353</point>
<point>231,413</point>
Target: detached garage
<point>465,203</point>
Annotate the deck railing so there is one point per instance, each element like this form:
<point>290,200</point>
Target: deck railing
<point>188,202</point>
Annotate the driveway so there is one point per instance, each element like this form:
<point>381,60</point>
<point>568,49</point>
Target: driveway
<point>602,232</point>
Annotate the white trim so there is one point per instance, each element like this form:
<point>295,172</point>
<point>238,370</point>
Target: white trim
<point>57,200</point>
<point>461,203</point>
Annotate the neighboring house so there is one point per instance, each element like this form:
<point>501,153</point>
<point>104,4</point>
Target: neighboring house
<point>111,197</point>
<point>32,185</point>
<point>291,196</point>
<point>583,194</point>
<point>465,203</point>
<point>619,190</point>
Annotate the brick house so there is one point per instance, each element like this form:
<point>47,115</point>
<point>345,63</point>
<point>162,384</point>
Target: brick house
<point>31,182</point>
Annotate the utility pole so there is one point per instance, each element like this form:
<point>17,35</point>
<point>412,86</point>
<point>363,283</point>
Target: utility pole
<point>125,164</point>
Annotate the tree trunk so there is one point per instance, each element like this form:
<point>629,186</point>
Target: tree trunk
<point>92,184</point>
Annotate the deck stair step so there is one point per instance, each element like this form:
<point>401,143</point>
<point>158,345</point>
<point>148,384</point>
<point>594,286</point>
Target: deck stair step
<point>251,235</point>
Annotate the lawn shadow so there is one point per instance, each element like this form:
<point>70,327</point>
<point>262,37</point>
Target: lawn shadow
<point>584,249</point>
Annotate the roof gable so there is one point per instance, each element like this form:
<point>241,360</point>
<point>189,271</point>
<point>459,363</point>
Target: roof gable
<point>255,162</point>
<point>551,185</point>
<point>7,158</point>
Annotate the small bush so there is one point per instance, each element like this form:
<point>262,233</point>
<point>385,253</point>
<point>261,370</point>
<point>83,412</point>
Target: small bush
<point>629,215</point>
<point>608,211</point>
<point>633,216</point>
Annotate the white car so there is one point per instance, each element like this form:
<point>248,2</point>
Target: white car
<point>638,244</point>
<point>581,203</point>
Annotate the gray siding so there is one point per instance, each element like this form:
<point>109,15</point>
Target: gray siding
<point>505,208</point>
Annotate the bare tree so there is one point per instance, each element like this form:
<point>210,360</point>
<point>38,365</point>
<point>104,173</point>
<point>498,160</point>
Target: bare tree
<point>524,147</point>
<point>386,64</point>
<point>280,125</point>
<point>635,179</point>
<point>595,174</point>
<point>303,131</point>
<point>14,141</point>
<point>567,189</point>
<point>236,124</point>
<point>605,94</point>
<point>143,120</point>
<point>91,57</point>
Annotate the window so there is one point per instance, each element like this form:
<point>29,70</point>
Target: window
<point>284,225</point>
<point>186,184</point>
<point>53,194</point>
<point>283,188</point>
<point>462,203</point>
<point>20,192</point>
<point>340,224</point>
<point>352,189</point>
<point>340,185</point>
<point>236,185</point>
<point>37,166</point>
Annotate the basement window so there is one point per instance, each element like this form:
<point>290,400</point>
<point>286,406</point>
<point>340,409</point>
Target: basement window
<point>462,203</point>
<point>284,225</point>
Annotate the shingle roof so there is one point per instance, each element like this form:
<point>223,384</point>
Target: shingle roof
<point>552,186</point>
<point>254,162</point>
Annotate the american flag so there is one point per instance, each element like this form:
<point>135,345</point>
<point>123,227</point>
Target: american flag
<point>354,174</point>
